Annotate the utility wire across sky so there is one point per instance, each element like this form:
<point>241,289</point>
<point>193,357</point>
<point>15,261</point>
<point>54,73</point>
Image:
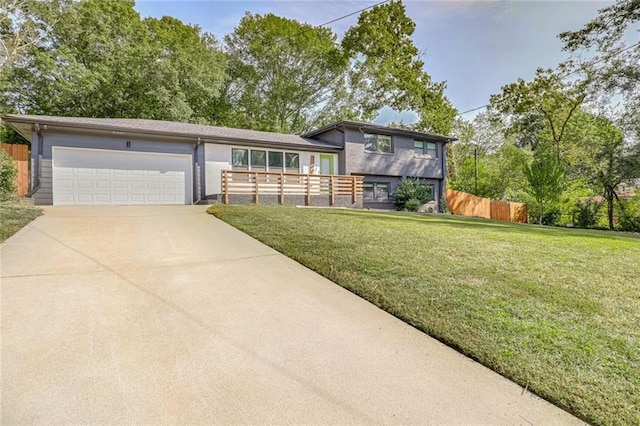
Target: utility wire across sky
<point>607,57</point>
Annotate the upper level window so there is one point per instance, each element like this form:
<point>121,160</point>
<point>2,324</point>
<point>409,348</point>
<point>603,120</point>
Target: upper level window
<point>377,143</point>
<point>425,148</point>
<point>240,158</point>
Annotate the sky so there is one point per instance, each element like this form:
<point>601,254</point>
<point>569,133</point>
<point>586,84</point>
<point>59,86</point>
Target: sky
<point>475,46</point>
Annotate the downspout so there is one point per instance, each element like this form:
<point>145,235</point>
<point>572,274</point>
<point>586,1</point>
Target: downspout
<point>38,165</point>
<point>443,184</point>
<point>195,172</point>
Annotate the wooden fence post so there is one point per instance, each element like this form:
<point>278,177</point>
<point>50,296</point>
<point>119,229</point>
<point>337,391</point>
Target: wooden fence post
<point>354,186</point>
<point>255,184</point>
<point>308,200</point>
<point>281,188</point>
<point>225,185</point>
<point>332,191</point>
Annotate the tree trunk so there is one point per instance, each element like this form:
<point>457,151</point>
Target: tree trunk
<point>541,213</point>
<point>609,196</point>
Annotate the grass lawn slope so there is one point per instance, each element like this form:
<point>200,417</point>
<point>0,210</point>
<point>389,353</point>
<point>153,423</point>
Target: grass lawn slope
<point>14,215</point>
<point>556,310</point>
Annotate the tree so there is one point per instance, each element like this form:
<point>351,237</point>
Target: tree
<point>387,71</point>
<point>610,161</point>
<point>22,27</point>
<point>102,60</point>
<point>539,110</point>
<point>612,66</point>
<point>282,72</point>
<point>545,176</point>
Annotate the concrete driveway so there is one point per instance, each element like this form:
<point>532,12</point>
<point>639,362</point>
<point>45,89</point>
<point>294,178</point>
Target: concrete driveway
<point>168,315</point>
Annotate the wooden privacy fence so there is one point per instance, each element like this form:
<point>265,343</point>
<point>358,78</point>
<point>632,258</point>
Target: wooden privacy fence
<point>255,183</point>
<point>20,155</point>
<point>464,204</point>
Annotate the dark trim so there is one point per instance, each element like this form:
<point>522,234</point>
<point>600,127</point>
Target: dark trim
<point>362,127</point>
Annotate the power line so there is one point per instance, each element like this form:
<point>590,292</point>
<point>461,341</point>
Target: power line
<point>328,22</point>
<point>569,74</point>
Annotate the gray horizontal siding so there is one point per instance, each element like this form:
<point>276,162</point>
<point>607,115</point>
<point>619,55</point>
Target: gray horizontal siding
<point>402,162</point>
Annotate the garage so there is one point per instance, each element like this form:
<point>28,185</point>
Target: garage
<point>83,176</point>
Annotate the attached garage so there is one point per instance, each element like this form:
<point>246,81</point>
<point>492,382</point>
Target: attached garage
<point>100,176</point>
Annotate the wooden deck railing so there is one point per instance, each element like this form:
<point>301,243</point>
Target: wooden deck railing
<point>282,184</point>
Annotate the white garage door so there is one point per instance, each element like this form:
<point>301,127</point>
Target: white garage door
<point>100,176</point>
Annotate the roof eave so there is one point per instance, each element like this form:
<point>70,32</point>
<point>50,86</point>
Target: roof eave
<point>111,128</point>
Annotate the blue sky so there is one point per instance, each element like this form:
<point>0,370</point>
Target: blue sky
<point>477,47</point>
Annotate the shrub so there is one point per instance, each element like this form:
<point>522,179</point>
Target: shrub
<point>413,205</point>
<point>551,217</point>
<point>629,217</point>
<point>410,188</point>
<point>7,176</point>
<point>586,213</point>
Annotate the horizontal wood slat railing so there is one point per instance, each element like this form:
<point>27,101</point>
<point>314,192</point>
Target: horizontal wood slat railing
<point>282,184</point>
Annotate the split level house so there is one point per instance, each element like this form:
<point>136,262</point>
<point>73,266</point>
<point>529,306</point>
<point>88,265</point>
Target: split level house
<point>76,161</point>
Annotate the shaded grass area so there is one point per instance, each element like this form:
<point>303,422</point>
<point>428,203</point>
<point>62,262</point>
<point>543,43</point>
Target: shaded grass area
<point>14,215</point>
<point>555,310</point>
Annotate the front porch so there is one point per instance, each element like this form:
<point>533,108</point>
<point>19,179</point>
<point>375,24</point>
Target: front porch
<point>245,187</point>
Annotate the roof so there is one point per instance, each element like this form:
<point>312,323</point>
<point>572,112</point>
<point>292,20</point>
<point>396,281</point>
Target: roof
<point>362,126</point>
<point>171,129</point>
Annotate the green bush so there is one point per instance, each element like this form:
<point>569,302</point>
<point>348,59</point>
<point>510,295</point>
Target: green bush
<point>7,176</point>
<point>411,188</point>
<point>413,205</point>
<point>551,217</point>
<point>587,213</point>
<point>629,215</point>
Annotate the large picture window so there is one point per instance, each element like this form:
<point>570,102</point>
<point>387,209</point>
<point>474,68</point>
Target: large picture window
<point>292,161</point>
<point>378,143</point>
<point>275,161</point>
<point>376,191</point>
<point>425,148</point>
<point>240,158</point>
<point>258,160</point>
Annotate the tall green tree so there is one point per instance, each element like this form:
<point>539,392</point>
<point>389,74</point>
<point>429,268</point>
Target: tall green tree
<point>608,160</point>
<point>386,69</point>
<point>282,72</point>
<point>539,110</point>
<point>103,60</point>
<point>600,50</point>
<point>545,178</point>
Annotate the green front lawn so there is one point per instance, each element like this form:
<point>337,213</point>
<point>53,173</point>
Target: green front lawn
<point>14,215</point>
<point>556,310</point>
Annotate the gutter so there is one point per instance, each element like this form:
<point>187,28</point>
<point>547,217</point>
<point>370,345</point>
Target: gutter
<point>195,171</point>
<point>38,164</point>
<point>188,136</point>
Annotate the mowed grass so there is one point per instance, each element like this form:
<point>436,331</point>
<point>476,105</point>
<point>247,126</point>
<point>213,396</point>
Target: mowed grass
<point>14,215</point>
<point>555,310</point>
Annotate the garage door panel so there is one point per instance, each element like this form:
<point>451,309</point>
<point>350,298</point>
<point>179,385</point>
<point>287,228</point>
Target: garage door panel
<point>93,176</point>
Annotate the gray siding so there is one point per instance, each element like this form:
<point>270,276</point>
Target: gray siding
<point>402,162</point>
<point>393,184</point>
<point>44,196</point>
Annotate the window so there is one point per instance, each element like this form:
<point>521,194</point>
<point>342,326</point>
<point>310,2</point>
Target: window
<point>240,158</point>
<point>425,148</point>
<point>275,161</point>
<point>377,143</point>
<point>292,161</point>
<point>376,191</point>
<point>258,160</point>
